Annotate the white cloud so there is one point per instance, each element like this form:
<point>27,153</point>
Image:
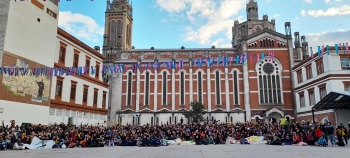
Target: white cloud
<point>342,10</point>
<point>333,1</point>
<point>327,38</point>
<point>308,1</point>
<point>80,25</point>
<point>327,1</point>
<point>172,5</point>
<point>303,13</point>
<point>276,16</point>
<point>218,16</point>
<point>268,1</point>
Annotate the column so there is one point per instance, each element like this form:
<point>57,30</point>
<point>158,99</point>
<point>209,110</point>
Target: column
<point>227,92</point>
<point>246,84</point>
<point>172,90</point>
<point>138,91</point>
<point>155,96</point>
<point>209,88</point>
<point>191,85</point>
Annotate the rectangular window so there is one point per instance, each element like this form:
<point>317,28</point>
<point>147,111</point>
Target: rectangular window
<point>165,83</point>
<point>76,60</point>
<point>51,13</point>
<point>147,89</point>
<point>217,88</point>
<point>87,64</point>
<point>129,89</point>
<point>119,28</point>
<point>182,88</point>
<point>323,92</point>
<point>319,66</point>
<point>235,86</point>
<point>62,55</point>
<point>347,87</point>
<point>302,100</point>
<point>199,82</point>
<point>59,86</point>
<point>345,63</point>
<point>312,98</point>
<point>97,70</point>
<point>300,76</point>
<point>112,32</point>
<point>95,96</point>
<point>85,93</point>
<point>73,90</point>
<point>104,100</point>
<point>308,72</point>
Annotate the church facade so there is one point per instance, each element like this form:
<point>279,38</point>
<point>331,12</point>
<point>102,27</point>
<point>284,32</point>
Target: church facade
<point>152,90</point>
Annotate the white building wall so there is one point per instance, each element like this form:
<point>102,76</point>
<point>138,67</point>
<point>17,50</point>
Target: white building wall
<point>33,40</point>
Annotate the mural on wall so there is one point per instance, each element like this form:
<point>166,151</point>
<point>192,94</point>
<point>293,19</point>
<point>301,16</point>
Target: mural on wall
<point>36,86</point>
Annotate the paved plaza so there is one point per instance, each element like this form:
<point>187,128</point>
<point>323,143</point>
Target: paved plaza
<point>190,151</point>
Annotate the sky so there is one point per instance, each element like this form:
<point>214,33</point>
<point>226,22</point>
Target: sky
<point>203,23</point>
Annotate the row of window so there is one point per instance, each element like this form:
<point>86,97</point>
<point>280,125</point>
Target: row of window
<point>312,100</point>
<point>182,88</point>
<point>345,63</point>
<point>77,114</point>
<point>62,59</point>
<point>73,92</point>
<point>319,70</point>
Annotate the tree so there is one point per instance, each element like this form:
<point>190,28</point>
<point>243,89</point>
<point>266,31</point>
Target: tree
<point>196,113</point>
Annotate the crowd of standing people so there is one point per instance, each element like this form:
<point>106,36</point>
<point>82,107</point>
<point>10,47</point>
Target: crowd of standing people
<point>69,136</point>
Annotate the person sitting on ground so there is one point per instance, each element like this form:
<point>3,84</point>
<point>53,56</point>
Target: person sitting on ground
<point>322,142</point>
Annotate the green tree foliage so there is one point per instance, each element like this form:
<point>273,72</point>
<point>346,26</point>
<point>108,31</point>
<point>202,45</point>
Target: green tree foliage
<point>196,113</point>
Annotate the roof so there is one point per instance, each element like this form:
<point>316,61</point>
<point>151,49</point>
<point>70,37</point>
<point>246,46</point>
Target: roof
<point>334,100</point>
<point>180,50</point>
<point>78,42</point>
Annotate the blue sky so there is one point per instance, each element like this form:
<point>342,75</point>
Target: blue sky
<point>203,23</point>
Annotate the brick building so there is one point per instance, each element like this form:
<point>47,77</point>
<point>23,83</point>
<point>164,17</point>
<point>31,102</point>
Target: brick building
<point>235,92</point>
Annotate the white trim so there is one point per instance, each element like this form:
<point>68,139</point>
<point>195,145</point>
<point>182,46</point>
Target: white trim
<point>155,92</point>
<point>216,96</point>
<point>184,72</point>
<point>254,91</point>
<point>268,49</point>
<point>280,68</point>
<point>127,87</point>
<point>274,110</point>
<point>257,116</point>
<point>149,85</point>
<point>166,79</point>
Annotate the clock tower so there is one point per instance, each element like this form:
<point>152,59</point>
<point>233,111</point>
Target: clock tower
<point>118,28</point>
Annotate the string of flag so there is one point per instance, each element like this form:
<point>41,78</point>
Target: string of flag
<point>48,0</point>
<point>121,68</point>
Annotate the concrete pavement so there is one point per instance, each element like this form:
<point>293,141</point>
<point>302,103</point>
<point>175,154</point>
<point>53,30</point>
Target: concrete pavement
<point>186,151</point>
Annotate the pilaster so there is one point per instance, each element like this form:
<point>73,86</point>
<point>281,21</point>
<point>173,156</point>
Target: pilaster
<point>155,93</point>
<point>138,91</point>
<point>208,88</point>
<point>172,89</point>
<point>227,93</point>
<point>191,85</point>
<point>246,84</point>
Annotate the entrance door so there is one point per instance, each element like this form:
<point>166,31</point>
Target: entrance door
<point>274,117</point>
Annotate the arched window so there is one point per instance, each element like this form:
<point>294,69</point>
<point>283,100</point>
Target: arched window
<point>147,88</point>
<point>112,32</point>
<point>217,88</point>
<point>269,82</point>
<point>129,89</point>
<point>199,86</point>
<point>235,87</point>
<point>182,88</point>
<point>261,44</point>
<point>165,83</point>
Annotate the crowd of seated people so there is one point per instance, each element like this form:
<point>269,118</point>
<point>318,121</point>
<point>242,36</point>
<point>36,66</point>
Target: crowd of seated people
<point>70,136</point>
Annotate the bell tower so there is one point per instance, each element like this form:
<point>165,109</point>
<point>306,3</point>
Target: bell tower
<point>118,27</point>
<point>252,10</point>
